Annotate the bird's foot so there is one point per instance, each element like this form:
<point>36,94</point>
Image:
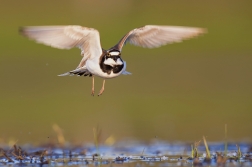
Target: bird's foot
<point>101,91</point>
<point>92,92</point>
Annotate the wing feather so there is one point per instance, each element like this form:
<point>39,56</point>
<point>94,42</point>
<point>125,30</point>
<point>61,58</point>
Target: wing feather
<point>67,37</point>
<point>152,36</point>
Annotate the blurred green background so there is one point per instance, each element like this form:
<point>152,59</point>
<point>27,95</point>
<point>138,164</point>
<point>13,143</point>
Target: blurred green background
<point>178,92</point>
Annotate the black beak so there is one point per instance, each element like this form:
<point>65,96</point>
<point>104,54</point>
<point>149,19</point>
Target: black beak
<point>115,58</point>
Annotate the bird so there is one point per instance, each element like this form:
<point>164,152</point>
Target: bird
<point>100,62</point>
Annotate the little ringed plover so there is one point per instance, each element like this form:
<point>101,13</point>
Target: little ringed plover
<point>97,61</point>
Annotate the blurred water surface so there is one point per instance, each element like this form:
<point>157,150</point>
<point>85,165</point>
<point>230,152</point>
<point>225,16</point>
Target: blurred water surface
<point>177,92</point>
<point>134,153</point>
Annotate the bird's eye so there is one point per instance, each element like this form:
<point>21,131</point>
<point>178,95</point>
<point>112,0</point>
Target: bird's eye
<point>108,54</point>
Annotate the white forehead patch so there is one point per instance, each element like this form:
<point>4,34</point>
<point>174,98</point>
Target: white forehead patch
<point>114,53</point>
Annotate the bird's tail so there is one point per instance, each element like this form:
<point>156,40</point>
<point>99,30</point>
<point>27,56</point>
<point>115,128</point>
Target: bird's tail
<point>83,71</point>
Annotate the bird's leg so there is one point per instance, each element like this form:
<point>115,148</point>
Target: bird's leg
<point>102,89</point>
<point>92,93</point>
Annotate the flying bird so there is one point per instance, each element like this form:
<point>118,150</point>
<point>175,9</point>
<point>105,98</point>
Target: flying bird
<point>97,61</point>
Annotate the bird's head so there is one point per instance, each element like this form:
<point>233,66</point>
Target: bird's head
<point>113,57</point>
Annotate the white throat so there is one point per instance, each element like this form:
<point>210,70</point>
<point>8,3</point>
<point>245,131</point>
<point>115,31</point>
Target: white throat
<point>111,62</point>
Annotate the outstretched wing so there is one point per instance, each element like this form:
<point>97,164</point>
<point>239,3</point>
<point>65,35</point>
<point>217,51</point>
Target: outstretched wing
<point>151,36</point>
<point>67,37</point>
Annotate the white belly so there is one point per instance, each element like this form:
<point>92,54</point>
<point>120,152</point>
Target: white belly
<point>94,67</point>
